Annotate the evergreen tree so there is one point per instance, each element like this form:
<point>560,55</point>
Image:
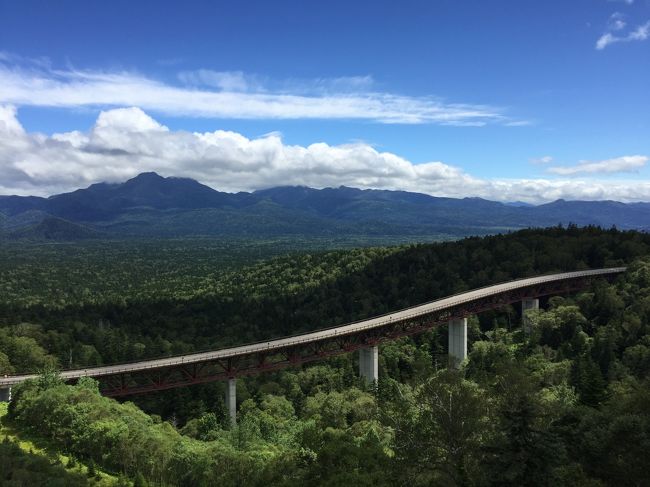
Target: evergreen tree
<point>525,450</point>
<point>588,380</point>
<point>92,472</point>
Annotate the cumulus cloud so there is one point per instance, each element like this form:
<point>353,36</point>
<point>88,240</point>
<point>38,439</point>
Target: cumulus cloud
<point>235,94</point>
<point>9,124</point>
<point>126,141</point>
<point>641,33</point>
<point>608,166</point>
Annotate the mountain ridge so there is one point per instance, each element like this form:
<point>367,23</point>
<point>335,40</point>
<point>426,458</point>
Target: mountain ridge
<point>152,205</point>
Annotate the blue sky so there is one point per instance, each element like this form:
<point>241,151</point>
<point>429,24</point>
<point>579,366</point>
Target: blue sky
<point>502,95</point>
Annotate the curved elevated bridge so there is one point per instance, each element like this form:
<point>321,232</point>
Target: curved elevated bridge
<point>365,335</point>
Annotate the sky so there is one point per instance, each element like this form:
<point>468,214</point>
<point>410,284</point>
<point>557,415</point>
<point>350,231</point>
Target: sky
<point>506,100</point>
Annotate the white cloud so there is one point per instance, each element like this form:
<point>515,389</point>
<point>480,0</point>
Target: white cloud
<point>126,141</point>
<point>127,120</point>
<point>604,40</point>
<point>223,80</point>
<point>341,84</point>
<point>641,33</point>
<point>608,166</point>
<point>9,124</point>
<point>616,21</point>
<point>238,81</point>
<point>541,160</point>
<point>231,95</point>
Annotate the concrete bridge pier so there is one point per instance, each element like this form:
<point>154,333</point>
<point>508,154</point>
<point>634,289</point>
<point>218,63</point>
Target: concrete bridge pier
<point>457,341</point>
<point>526,305</point>
<point>369,363</point>
<point>5,394</point>
<point>231,400</point>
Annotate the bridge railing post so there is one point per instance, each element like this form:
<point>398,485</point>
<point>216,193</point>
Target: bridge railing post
<point>457,336</point>
<point>527,305</point>
<point>231,400</point>
<point>369,363</point>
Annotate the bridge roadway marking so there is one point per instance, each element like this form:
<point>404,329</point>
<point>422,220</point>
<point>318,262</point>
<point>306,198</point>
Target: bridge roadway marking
<point>350,328</point>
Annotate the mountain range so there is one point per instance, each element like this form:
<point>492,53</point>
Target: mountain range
<point>150,205</point>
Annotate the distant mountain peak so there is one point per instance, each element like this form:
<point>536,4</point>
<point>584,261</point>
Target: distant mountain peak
<point>152,203</point>
<point>145,178</point>
<point>151,175</point>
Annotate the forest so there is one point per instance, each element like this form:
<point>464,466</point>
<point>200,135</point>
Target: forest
<point>566,404</point>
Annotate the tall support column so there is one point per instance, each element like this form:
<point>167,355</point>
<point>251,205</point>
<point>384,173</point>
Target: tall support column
<point>5,394</point>
<point>526,305</point>
<point>457,341</point>
<point>231,400</point>
<point>369,363</point>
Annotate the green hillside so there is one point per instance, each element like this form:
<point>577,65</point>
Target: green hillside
<point>28,460</point>
<point>54,229</point>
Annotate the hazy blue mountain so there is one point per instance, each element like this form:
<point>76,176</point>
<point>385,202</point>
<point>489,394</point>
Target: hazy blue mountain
<point>603,213</point>
<point>151,205</point>
<point>519,204</point>
<point>12,205</point>
<point>148,190</point>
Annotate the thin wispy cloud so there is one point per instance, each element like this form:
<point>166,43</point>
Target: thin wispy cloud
<point>640,33</point>
<point>232,95</point>
<point>240,81</point>
<point>541,160</point>
<point>608,166</point>
<point>127,141</point>
<point>222,80</point>
<point>616,22</point>
<point>518,123</point>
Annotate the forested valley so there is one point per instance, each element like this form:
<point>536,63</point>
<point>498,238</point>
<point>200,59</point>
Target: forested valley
<point>567,404</point>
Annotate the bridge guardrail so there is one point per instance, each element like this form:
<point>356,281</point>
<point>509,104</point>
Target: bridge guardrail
<point>309,337</point>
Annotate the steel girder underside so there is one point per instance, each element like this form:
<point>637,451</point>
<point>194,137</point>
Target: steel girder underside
<point>255,363</point>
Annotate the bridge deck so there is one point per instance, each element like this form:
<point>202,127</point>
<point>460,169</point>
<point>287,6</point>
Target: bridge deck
<point>328,333</point>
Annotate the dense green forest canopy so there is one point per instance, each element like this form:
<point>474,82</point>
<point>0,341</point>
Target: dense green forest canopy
<point>60,274</point>
<point>166,299</point>
<point>564,405</point>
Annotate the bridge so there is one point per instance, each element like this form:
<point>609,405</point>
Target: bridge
<point>364,336</point>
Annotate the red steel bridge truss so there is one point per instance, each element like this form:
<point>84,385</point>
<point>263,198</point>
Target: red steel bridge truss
<point>255,362</point>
